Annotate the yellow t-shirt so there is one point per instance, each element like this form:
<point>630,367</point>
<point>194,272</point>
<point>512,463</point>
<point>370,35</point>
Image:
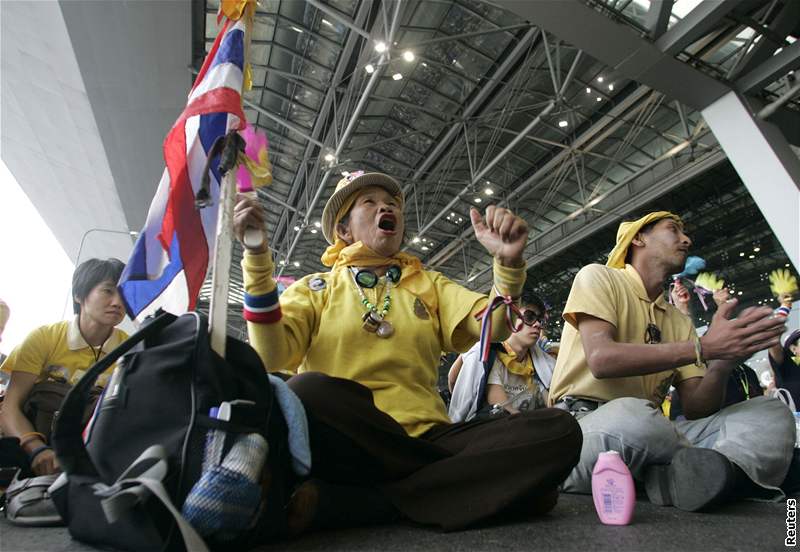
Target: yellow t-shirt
<point>321,330</point>
<point>617,296</point>
<point>59,351</point>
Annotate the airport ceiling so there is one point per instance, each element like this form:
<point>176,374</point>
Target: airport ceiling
<point>467,103</point>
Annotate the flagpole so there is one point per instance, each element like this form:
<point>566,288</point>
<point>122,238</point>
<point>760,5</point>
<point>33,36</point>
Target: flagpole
<point>220,278</point>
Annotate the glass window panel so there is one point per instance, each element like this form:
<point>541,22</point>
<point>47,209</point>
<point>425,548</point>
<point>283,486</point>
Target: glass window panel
<point>390,149</point>
<point>428,14</point>
<point>259,53</point>
<point>258,76</point>
<point>267,6</point>
<point>415,93</point>
<point>491,44</point>
<point>452,87</point>
<point>345,6</point>
<point>428,75</point>
<point>330,28</point>
<point>319,51</point>
<point>498,16</point>
<point>385,164</point>
<point>459,20</point>
<point>264,28</point>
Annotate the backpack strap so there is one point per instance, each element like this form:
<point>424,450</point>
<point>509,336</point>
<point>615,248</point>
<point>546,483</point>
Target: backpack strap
<point>67,439</point>
<point>127,492</point>
<point>487,367</point>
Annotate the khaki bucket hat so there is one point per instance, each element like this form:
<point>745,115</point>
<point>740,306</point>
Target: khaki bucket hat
<point>346,187</point>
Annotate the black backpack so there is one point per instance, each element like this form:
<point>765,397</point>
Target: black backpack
<point>149,428</point>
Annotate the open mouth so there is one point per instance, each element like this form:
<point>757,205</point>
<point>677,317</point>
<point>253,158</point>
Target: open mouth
<point>387,223</point>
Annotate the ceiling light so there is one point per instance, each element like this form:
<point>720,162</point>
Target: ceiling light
<point>297,263</point>
<point>296,228</point>
<point>380,47</point>
<point>313,230</point>
<point>452,214</point>
<point>318,224</point>
<point>738,293</point>
<point>328,23</point>
<point>415,240</point>
<point>424,247</point>
<point>297,29</point>
<point>741,253</point>
<point>397,76</point>
<point>786,265</point>
<point>562,124</point>
<point>599,79</point>
<point>369,68</point>
<point>611,87</point>
<point>478,200</point>
<point>283,262</point>
<point>588,90</point>
<point>408,55</point>
<point>751,256</point>
<point>345,174</point>
<point>756,249</point>
<point>329,157</point>
<point>424,64</point>
<point>488,191</point>
<point>599,99</point>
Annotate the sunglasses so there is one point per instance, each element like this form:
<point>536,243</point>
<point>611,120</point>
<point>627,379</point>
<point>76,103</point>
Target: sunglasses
<point>529,318</point>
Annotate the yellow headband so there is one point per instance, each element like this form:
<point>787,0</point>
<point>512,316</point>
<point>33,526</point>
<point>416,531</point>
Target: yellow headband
<point>628,230</point>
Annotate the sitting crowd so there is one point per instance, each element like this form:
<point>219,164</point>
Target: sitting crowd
<point>360,345</point>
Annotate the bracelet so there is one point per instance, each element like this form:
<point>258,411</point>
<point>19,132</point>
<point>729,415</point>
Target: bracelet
<point>37,451</point>
<point>26,438</point>
<point>698,352</point>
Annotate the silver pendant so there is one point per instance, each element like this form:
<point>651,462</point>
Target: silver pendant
<point>385,329</point>
<point>370,322</point>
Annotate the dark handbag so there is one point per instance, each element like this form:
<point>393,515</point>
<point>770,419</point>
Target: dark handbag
<point>144,447</point>
<point>44,401</point>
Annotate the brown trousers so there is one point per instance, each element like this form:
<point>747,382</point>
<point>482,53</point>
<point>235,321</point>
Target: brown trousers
<point>452,476</point>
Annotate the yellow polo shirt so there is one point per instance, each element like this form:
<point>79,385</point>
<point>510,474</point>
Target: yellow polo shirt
<point>59,351</point>
<point>320,330</point>
<point>618,296</point>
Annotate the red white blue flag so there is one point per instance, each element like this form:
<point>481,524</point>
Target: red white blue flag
<point>170,259</point>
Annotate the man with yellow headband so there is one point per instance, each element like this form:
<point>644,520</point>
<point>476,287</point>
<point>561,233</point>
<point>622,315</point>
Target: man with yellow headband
<point>623,347</point>
<point>364,340</point>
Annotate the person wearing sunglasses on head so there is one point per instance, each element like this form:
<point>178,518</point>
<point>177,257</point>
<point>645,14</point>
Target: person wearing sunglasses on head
<point>622,348</point>
<point>517,374</point>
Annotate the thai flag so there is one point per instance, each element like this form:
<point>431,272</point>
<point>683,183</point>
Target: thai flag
<point>170,259</point>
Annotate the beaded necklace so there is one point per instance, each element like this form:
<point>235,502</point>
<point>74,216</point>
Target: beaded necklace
<point>373,320</point>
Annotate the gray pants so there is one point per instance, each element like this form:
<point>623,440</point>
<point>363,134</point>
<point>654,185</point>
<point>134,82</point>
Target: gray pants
<point>757,435</point>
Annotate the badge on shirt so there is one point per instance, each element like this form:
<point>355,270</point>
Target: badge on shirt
<point>316,284</point>
<point>420,310</point>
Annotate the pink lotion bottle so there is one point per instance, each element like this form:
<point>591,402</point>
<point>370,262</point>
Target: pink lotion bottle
<point>612,489</point>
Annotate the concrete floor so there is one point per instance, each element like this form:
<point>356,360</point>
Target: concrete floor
<point>573,525</point>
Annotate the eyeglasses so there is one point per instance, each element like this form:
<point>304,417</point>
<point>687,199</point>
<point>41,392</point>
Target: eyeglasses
<point>652,334</point>
<point>530,317</point>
